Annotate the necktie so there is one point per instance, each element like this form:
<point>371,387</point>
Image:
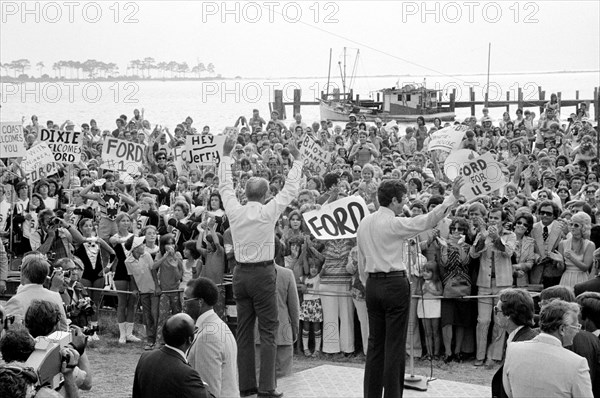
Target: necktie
<point>545,234</point>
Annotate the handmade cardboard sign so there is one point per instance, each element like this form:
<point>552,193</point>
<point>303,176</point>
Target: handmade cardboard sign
<point>122,156</point>
<point>66,145</point>
<point>337,220</point>
<point>12,140</point>
<point>38,162</point>
<point>316,159</point>
<point>204,149</point>
<point>448,138</point>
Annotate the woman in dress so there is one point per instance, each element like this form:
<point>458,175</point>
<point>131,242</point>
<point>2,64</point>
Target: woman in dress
<point>577,251</point>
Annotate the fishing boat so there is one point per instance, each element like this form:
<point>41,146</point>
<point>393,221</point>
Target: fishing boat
<point>403,104</point>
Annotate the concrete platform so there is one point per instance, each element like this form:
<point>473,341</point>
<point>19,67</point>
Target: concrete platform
<point>347,382</point>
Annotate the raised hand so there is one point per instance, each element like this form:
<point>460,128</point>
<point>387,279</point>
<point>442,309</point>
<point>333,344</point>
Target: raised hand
<point>458,183</point>
<point>294,151</point>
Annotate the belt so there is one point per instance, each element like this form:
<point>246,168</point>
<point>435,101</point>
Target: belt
<point>259,264</point>
<point>392,274</point>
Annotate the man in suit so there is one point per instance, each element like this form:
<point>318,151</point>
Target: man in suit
<point>288,307</point>
<point>541,367</point>
<point>547,234</point>
<point>514,313</point>
<point>214,351</point>
<point>165,372</point>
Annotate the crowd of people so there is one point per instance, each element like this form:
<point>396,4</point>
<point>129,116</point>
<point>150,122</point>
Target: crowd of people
<point>166,237</point>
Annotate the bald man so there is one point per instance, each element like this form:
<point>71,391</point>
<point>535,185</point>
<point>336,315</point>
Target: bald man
<point>253,233</point>
<point>165,372</point>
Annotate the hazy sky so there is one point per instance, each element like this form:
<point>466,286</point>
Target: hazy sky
<point>293,38</point>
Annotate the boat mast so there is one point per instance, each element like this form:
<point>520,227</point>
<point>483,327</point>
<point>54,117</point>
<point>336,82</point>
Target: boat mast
<point>487,91</point>
<point>344,79</point>
<point>354,70</point>
<point>329,73</point>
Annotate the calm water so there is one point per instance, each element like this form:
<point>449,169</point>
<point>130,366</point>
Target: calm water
<point>220,103</point>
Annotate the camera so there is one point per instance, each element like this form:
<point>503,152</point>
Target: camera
<point>47,358</point>
<point>55,221</point>
<point>84,307</point>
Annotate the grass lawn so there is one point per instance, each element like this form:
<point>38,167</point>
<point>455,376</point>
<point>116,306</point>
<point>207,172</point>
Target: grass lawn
<point>113,367</point>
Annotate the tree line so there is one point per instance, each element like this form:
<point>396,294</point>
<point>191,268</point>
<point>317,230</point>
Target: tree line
<point>91,69</point>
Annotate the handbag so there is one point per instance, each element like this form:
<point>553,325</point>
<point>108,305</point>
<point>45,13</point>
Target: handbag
<point>456,287</point>
<point>551,268</point>
<point>357,289</point>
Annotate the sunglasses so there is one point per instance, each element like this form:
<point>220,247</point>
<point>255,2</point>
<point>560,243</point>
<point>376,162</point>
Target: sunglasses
<point>575,225</point>
<point>457,229</point>
<point>546,213</point>
<point>522,223</point>
<point>497,311</point>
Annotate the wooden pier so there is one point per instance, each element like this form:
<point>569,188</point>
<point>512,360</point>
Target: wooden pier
<point>452,103</point>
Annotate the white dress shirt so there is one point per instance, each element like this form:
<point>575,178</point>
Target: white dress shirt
<point>381,238</point>
<point>253,225</point>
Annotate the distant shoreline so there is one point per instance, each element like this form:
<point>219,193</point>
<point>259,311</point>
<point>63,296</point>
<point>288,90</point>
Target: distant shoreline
<point>219,78</point>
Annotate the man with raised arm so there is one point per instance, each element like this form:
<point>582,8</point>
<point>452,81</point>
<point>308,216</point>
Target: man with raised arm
<point>383,267</point>
<point>253,233</point>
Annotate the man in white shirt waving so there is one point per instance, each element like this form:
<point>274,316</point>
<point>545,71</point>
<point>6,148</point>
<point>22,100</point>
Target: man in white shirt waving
<point>253,233</point>
<point>382,266</point>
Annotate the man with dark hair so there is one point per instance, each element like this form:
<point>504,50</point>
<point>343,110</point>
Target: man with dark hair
<point>514,313</point>
<point>253,233</point>
<point>547,233</point>
<point>34,272</point>
<point>165,372</point>
<point>382,241</point>
<point>542,367</point>
<point>331,181</point>
<point>213,352</point>
<point>16,345</point>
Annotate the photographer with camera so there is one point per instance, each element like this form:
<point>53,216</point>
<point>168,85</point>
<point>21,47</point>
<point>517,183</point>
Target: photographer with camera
<point>17,379</point>
<point>34,273</point>
<point>41,320</point>
<point>66,280</point>
<point>54,236</point>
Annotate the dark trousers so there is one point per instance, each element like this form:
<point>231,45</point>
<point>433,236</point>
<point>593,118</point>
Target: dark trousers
<point>150,303</point>
<point>255,297</point>
<point>388,306</point>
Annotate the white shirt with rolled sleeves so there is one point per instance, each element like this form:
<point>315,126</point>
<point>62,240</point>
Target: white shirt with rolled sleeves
<point>381,237</point>
<point>253,225</point>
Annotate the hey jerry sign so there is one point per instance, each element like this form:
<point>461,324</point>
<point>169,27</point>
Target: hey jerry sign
<point>337,220</point>
<point>66,145</point>
<point>483,175</point>
<point>12,141</point>
<point>204,149</point>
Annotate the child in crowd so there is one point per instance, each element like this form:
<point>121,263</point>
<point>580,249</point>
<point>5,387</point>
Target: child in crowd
<point>169,264</point>
<point>311,312</point>
<point>368,186</point>
<point>139,265</point>
<point>429,307</point>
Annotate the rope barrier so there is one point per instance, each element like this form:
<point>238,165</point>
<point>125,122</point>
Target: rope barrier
<point>470,297</point>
